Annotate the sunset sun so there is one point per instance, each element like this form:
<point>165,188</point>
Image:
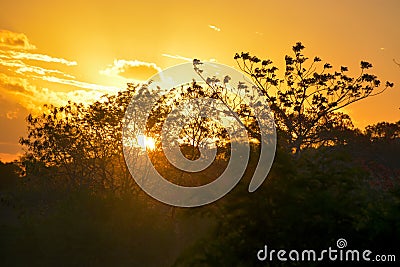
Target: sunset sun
<point>146,142</point>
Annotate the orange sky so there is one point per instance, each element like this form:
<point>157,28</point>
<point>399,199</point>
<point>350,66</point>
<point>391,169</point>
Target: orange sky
<point>78,50</point>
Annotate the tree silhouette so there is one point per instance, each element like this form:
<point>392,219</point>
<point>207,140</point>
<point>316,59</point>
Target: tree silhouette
<point>197,130</point>
<point>305,98</point>
<point>383,131</point>
<point>80,144</point>
<point>346,187</point>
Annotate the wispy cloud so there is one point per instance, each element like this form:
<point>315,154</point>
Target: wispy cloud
<point>15,40</point>
<point>32,97</point>
<point>131,69</point>
<point>23,68</point>
<point>178,57</point>
<point>40,57</point>
<point>14,84</point>
<point>80,84</point>
<point>12,114</point>
<point>28,80</point>
<point>214,28</point>
<point>9,111</point>
<point>188,59</point>
<point>61,97</point>
<point>30,86</point>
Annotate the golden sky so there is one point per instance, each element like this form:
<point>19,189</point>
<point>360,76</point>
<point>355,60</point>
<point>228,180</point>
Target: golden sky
<point>52,52</point>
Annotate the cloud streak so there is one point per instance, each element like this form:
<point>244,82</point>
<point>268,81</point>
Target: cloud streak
<point>29,79</point>
<point>215,28</point>
<point>24,69</point>
<point>188,59</point>
<point>61,98</point>
<point>131,69</point>
<point>15,40</point>
<point>20,80</point>
<point>14,84</point>
<point>80,84</point>
<point>178,57</point>
<point>40,57</point>
<point>31,97</point>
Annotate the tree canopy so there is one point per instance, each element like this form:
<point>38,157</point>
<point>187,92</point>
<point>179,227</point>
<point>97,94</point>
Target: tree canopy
<point>344,183</point>
<point>306,99</point>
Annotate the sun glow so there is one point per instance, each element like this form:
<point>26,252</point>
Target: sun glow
<point>146,142</point>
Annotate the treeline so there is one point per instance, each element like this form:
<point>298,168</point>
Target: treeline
<point>70,200</point>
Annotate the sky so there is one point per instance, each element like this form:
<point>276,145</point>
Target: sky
<point>52,52</point>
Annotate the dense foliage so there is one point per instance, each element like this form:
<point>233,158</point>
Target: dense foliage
<point>70,200</point>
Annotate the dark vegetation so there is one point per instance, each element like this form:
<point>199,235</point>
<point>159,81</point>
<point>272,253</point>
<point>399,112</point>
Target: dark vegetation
<point>70,200</point>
